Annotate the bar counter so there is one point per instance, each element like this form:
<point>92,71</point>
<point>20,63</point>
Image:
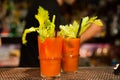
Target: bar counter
<point>84,73</point>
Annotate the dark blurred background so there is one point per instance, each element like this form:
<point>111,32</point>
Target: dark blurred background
<point>102,50</point>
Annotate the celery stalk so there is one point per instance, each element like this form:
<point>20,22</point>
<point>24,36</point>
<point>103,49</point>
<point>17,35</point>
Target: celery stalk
<point>46,27</point>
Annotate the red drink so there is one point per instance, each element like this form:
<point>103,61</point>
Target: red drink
<point>70,55</point>
<point>50,56</point>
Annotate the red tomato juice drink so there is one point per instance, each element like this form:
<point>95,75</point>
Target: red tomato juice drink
<point>70,54</point>
<point>50,56</point>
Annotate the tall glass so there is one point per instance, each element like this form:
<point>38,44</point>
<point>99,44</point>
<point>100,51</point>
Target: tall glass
<point>50,57</point>
<point>70,55</point>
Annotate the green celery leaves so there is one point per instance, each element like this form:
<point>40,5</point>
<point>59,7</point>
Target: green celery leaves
<point>46,27</point>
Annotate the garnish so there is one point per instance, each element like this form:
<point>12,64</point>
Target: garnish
<point>46,27</point>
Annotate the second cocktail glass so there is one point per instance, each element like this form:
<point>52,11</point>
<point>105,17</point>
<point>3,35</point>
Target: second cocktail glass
<point>70,54</point>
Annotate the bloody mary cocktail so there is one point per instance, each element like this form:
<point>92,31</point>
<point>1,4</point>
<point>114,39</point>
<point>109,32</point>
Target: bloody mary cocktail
<point>50,56</point>
<point>70,55</point>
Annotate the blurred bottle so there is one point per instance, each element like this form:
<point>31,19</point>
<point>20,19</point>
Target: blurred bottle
<point>20,28</point>
<point>13,27</point>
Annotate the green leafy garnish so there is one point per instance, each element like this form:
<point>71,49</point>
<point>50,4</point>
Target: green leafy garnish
<point>46,27</point>
<point>70,31</point>
<point>86,22</point>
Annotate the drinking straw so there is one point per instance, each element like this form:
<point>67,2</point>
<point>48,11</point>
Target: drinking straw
<point>79,29</point>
